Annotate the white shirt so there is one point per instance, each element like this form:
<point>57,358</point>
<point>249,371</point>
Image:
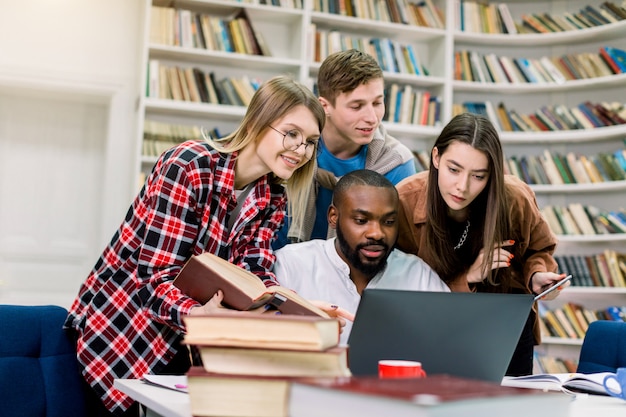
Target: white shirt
<point>315,271</point>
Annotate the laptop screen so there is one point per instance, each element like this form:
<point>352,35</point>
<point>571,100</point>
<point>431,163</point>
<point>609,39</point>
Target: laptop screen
<point>470,335</point>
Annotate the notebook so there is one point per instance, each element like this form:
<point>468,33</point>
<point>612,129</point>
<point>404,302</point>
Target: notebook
<point>469,335</point>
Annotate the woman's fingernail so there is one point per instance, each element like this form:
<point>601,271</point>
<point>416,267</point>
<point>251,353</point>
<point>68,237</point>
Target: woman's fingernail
<point>278,313</point>
<point>511,242</point>
<point>334,307</point>
<point>267,306</point>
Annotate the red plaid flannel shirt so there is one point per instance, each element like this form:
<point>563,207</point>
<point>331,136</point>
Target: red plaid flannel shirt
<point>127,313</point>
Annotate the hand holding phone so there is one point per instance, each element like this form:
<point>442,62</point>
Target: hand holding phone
<point>553,287</point>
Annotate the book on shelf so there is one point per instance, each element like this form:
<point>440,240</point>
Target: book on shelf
<point>618,277</point>
<point>594,14</point>
<point>507,19</point>
<point>267,331</point>
<point>573,313</point>
<point>565,323</point>
<point>551,322</point>
<point>200,82</point>
<point>608,15</point>
<point>504,118</point>
<point>212,394</point>
<point>513,74</point>
<point>582,270</point>
<point>552,364</point>
<point>617,11</point>
<point>576,168</point>
<point>192,85</point>
<point>582,220</point>
<point>255,361</point>
<point>591,169</point>
<point>547,22</point>
<point>533,24</point>
<point>568,382</point>
<point>203,275</point>
<point>435,395</point>
<point>552,171</point>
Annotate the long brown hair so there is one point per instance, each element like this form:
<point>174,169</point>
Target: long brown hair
<point>489,211</point>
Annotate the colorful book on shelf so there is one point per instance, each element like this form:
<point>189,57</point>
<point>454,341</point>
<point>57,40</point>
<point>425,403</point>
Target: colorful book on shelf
<point>507,19</point>
<point>576,382</point>
<point>435,395</point>
<point>203,275</point>
<point>595,15</point>
<point>618,56</point>
<point>267,331</point>
<point>618,12</point>
<point>567,325</point>
<point>529,21</point>
<point>543,19</point>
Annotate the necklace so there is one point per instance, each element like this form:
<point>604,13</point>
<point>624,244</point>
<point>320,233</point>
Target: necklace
<point>463,236</point>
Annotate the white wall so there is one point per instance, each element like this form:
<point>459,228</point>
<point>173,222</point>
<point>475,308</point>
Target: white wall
<point>69,72</point>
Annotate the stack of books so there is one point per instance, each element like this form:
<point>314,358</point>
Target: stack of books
<point>250,359</point>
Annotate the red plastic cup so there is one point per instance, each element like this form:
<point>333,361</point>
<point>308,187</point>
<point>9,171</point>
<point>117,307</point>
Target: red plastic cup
<point>390,368</point>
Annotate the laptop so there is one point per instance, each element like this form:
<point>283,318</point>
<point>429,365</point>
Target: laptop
<point>470,335</point>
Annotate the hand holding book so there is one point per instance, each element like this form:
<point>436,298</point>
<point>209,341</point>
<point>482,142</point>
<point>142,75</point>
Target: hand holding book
<point>214,305</point>
<point>204,275</point>
<point>333,311</point>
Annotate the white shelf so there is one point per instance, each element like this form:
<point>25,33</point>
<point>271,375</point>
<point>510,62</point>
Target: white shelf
<point>561,341</point>
<point>599,33</point>
<point>375,28</point>
<point>600,134</point>
<point>205,57</point>
<point>287,32</point>
<point>189,109</point>
<point>597,187</point>
<point>532,88</point>
<point>605,238</point>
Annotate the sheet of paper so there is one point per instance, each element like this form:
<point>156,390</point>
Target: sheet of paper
<point>175,382</point>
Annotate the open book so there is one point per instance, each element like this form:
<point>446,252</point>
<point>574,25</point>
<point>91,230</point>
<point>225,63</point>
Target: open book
<point>206,273</point>
<point>572,383</point>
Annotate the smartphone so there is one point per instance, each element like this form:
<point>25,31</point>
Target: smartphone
<point>554,287</point>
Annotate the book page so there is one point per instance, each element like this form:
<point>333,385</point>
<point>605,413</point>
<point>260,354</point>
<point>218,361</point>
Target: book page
<point>293,297</point>
<point>174,382</point>
<point>569,382</point>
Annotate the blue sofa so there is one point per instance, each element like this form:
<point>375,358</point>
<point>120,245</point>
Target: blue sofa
<point>39,374</point>
<point>604,347</point>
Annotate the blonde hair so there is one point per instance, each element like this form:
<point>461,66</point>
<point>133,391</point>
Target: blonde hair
<point>275,98</point>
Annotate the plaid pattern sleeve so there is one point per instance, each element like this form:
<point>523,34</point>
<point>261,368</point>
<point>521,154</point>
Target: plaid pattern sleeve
<point>127,314</point>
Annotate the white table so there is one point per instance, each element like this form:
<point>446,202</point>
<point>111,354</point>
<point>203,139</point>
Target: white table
<point>163,402</point>
<point>160,402</point>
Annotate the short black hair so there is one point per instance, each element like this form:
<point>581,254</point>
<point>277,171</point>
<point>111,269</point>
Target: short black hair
<point>361,177</point>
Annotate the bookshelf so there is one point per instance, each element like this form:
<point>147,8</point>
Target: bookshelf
<point>290,34</point>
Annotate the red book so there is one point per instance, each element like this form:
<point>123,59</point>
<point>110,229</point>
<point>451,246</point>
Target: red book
<point>541,125</point>
<point>435,395</point>
<point>609,61</point>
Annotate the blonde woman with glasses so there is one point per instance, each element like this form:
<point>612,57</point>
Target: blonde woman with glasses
<point>225,196</point>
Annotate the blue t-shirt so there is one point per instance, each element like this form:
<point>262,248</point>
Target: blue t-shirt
<point>339,167</point>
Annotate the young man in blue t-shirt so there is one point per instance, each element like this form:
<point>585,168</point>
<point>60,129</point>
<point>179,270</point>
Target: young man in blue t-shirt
<point>352,91</point>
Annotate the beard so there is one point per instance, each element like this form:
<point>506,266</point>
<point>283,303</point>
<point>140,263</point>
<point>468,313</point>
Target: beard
<point>369,269</point>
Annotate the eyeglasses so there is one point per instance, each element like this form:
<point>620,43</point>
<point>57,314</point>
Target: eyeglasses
<point>293,139</point>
